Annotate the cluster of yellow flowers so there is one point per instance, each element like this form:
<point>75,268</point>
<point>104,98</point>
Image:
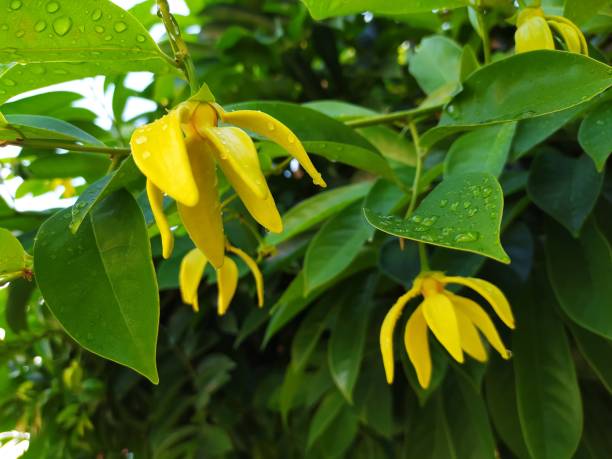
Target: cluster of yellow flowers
<point>534,30</point>
<point>178,154</point>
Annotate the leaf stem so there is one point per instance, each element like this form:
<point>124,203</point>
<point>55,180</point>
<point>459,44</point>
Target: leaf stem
<point>392,117</point>
<point>179,47</point>
<point>52,144</point>
<point>486,42</point>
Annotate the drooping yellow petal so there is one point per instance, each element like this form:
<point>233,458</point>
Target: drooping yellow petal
<point>227,281</point>
<point>584,48</point>
<point>489,292</point>
<point>159,152</point>
<point>236,152</point>
<point>156,201</point>
<point>441,318</point>
<point>190,274</point>
<point>569,35</point>
<point>387,328</point>
<point>256,273</point>
<point>479,317</point>
<point>533,34</point>
<point>262,209</point>
<point>470,339</point>
<point>417,346</point>
<point>203,221</point>
<point>268,126</point>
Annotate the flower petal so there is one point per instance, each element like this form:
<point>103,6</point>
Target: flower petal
<point>190,274</point>
<point>479,317</point>
<point>256,273</point>
<point>441,318</point>
<point>159,152</point>
<point>584,48</point>
<point>387,328</point>
<point>489,292</point>
<point>203,221</point>
<point>227,281</point>
<point>470,339</point>
<point>268,126</point>
<point>236,153</point>
<point>569,35</point>
<point>156,200</point>
<point>417,346</point>
<point>262,209</point>
<point>533,34</point>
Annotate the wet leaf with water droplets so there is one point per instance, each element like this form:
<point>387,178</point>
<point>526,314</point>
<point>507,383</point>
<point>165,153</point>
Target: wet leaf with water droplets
<point>12,255</point>
<point>462,213</point>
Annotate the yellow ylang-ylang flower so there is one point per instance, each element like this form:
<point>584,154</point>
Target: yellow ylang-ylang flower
<point>534,30</point>
<point>192,270</point>
<point>454,320</point>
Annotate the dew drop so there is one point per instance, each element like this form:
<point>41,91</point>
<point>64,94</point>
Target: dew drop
<point>108,38</point>
<point>62,25</point>
<point>428,221</point>
<point>52,7</point>
<point>146,155</point>
<point>99,29</point>
<point>16,4</point>
<point>120,27</point>
<point>446,230</point>
<point>417,218</point>
<point>291,139</point>
<point>271,127</point>
<point>472,212</point>
<point>486,191</point>
<point>426,238</point>
<point>421,229</point>
<point>141,139</point>
<point>443,202</point>
<point>454,206</point>
<point>40,26</point>
<point>60,72</point>
<point>466,204</point>
<point>4,27</point>
<point>96,15</point>
<point>470,236</point>
<point>140,38</point>
<point>8,82</point>
<point>20,33</point>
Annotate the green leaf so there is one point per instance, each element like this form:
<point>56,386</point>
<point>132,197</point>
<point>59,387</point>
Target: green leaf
<point>326,413</point>
<point>481,150</point>
<point>594,134</point>
<point>579,271</point>
<point>101,266</point>
<point>547,392</point>
<point>564,187</point>
<point>335,246</point>
<point>67,31</point>
<point>429,436</point>
<point>373,401</point>
<point>436,63</point>
<point>12,255</point>
<point>306,123</point>
<point>311,211</point>
<point>87,165</point>
<point>462,213</point>
<point>20,78</point>
<point>19,294</point>
<point>338,438</point>
<point>596,350</point>
<point>347,341</point>
<point>580,11</point>
<point>126,176</point>
<point>500,390</point>
<point>36,126</point>
<point>321,9</point>
<point>522,86</point>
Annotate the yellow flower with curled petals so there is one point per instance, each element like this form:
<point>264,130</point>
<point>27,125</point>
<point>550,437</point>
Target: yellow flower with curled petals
<point>534,30</point>
<point>178,154</point>
<point>191,271</point>
<point>454,320</point>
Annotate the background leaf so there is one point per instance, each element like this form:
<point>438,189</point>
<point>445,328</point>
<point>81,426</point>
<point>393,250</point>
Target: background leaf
<point>321,9</point>
<point>594,134</point>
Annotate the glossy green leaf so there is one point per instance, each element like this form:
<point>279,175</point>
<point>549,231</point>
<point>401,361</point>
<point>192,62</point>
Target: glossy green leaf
<point>313,210</point>
<point>436,63</point>
<point>321,9</point>
<point>335,246</point>
<point>126,176</point>
<point>326,413</point>
<point>429,437</point>
<point>595,134</point>
<point>596,350</point>
<point>87,165</point>
<point>45,127</point>
<point>469,62</point>
<point>306,123</point>
<point>347,342</point>
<point>462,213</point>
<point>564,187</point>
<point>579,271</point>
<point>337,439</point>
<point>101,265</point>
<point>500,390</point>
<point>504,90</point>
<point>19,294</point>
<point>373,401</point>
<point>482,150</point>
<point>580,11</point>
<point>550,411</point>
<point>12,255</point>
<point>66,31</point>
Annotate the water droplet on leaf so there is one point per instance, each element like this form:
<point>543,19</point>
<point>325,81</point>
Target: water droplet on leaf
<point>120,27</point>
<point>140,38</point>
<point>470,236</point>
<point>16,4</point>
<point>62,25</point>
<point>40,26</point>
<point>96,15</point>
<point>52,7</point>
